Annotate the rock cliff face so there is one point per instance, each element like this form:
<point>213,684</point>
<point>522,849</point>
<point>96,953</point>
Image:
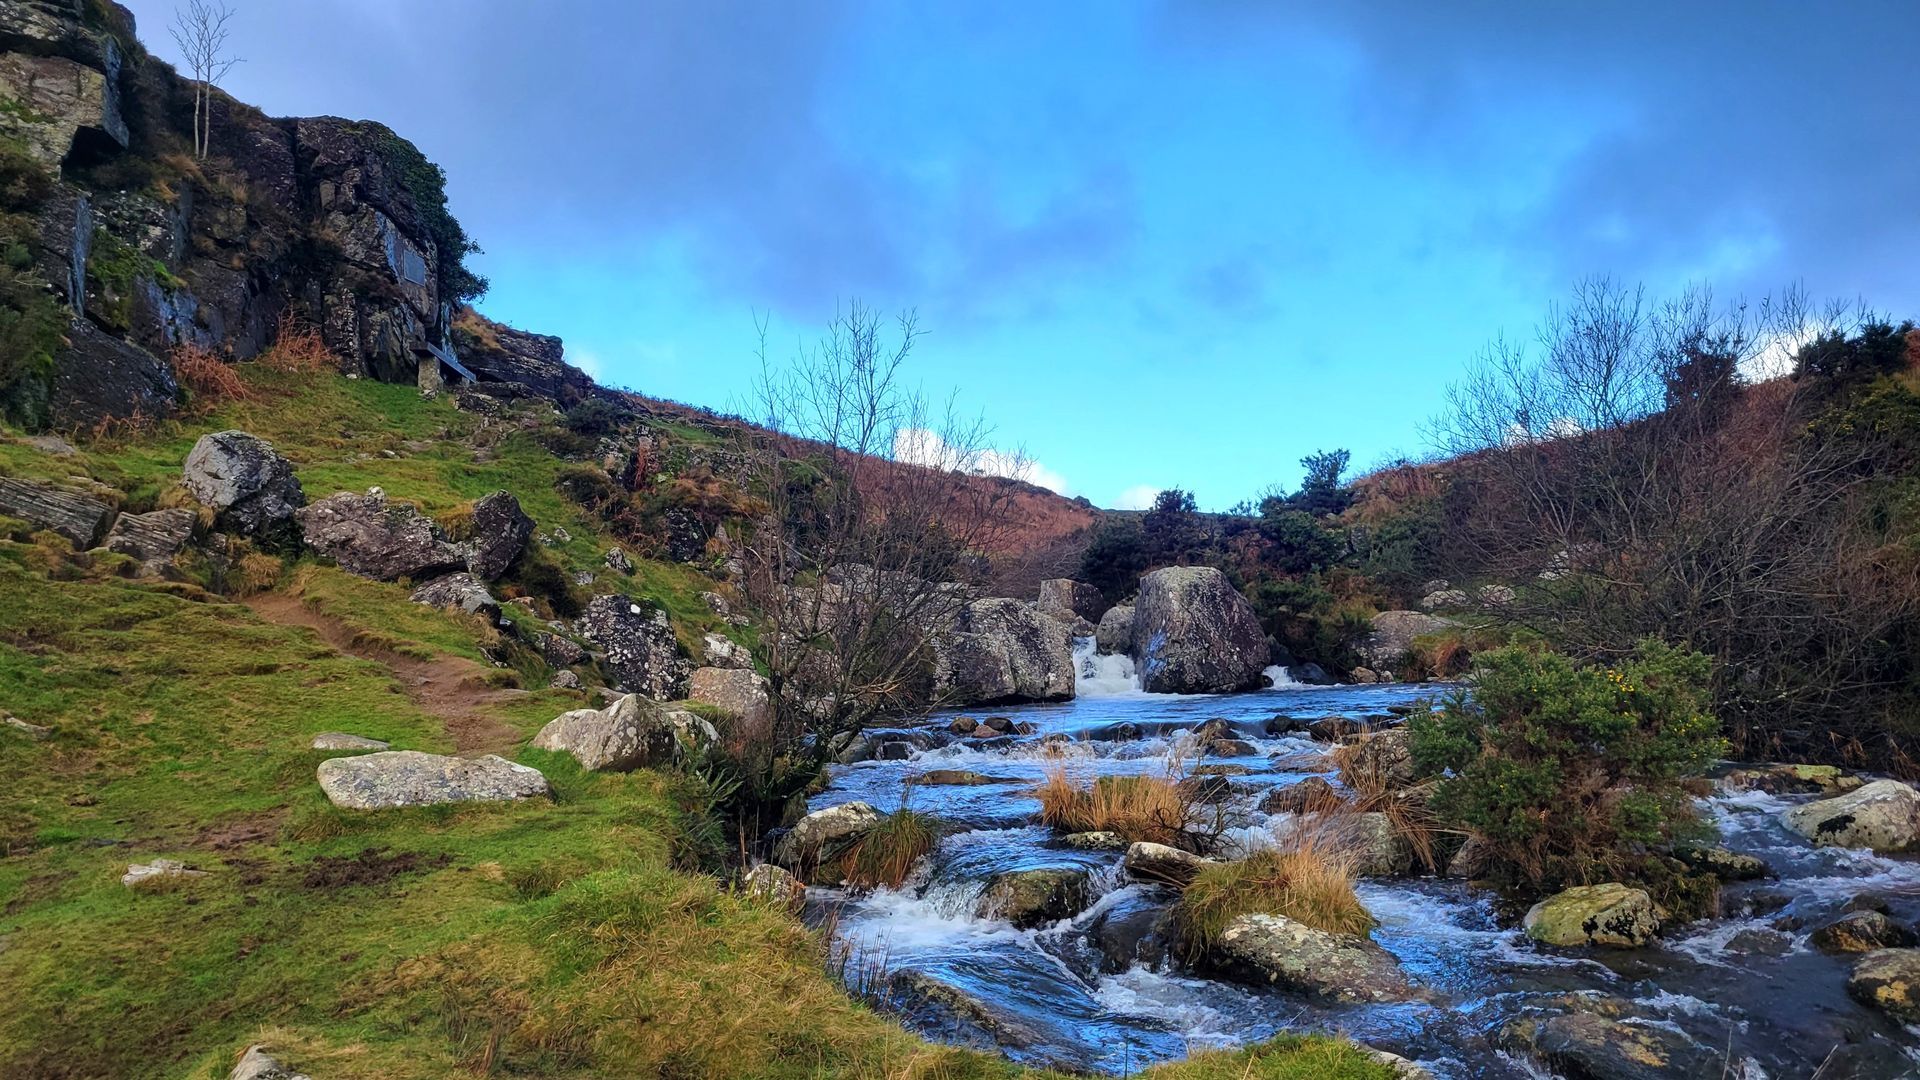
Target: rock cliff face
<point>137,250</point>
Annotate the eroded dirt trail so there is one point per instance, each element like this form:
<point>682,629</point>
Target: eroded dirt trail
<point>453,688</point>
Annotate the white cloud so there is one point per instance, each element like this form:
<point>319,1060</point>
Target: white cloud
<point>1137,497</point>
<point>1775,359</point>
<point>588,361</point>
<point>919,446</point>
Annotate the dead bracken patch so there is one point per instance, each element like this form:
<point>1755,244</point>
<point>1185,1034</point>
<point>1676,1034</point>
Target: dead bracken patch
<point>373,866</point>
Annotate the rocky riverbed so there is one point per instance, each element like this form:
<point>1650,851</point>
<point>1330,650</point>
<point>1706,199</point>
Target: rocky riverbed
<point>1082,975</point>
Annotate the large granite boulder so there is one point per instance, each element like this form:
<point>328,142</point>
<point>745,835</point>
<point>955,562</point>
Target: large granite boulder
<point>1030,898</point>
<point>460,592</point>
<point>248,485</point>
<point>1148,861</point>
<point>500,533</point>
<point>1888,980</point>
<point>1278,951</point>
<point>1072,602</point>
<point>631,733</point>
<point>397,778</point>
<point>1002,650</point>
<point>739,692</point>
<point>77,516</point>
<point>1384,758</point>
<point>371,537</point>
<point>1612,915</point>
<point>639,646</point>
<point>1883,815</point>
<point>1193,634</point>
<point>1115,632</point>
<point>1390,643</point>
<point>153,538</point>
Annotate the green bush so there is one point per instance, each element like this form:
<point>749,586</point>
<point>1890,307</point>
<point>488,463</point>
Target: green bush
<point>1569,770</point>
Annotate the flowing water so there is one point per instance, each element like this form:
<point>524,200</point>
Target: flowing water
<point>1074,994</point>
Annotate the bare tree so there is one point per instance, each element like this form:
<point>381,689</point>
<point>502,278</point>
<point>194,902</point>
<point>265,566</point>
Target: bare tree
<point>200,30</point>
<point>1636,483</point>
<point>878,524</point>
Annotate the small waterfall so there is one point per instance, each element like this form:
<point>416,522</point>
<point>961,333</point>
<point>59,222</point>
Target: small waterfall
<point>1278,676</point>
<point>1102,674</point>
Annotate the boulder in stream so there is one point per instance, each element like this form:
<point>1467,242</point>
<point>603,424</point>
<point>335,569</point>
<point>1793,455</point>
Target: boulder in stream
<point>1613,915</point>
<point>1721,863</point>
<point>1115,632</point>
<point>1888,980</point>
<point>1861,932</point>
<point>1194,634</point>
<point>816,837</point>
<point>1586,1045</point>
<point>1313,793</point>
<point>1002,650</point>
<point>1883,816</point>
<point>1149,861</point>
<point>1278,951</point>
<point>1031,898</point>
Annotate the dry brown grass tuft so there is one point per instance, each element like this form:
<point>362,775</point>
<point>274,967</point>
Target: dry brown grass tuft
<point>297,347</point>
<point>1310,883</point>
<point>1152,808</point>
<point>207,377</point>
<point>884,856</point>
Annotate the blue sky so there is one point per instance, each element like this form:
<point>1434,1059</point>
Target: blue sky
<point>1155,243</point>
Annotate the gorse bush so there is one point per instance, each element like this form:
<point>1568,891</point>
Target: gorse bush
<point>1568,770</point>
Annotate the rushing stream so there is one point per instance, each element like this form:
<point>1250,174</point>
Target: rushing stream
<point>1747,984</point>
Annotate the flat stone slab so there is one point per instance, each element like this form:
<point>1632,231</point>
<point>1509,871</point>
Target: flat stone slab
<point>78,517</point>
<point>398,778</point>
<point>340,740</point>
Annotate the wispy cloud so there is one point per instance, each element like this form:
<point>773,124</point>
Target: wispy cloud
<point>920,446</point>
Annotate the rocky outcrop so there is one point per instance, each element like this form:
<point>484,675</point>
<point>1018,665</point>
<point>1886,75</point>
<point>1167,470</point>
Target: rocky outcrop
<point>371,537</point>
<point>819,836</point>
<point>458,592</point>
<point>638,644</point>
<point>497,353</point>
<point>257,1064</point>
<point>1610,915</point>
<point>740,693</point>
<point>1001,650</point>
<point>397,778</point>
<point>1390,643</point>
<point>500,533</point>
<point>1277,951</point>
<point>77,516</point>
<point>1193,634</point>
<point>1075,603</point>
<point>57,98</point>
<point>1149,861</point>
<point>631,733</point>
<point>99,378</point>
<point>153,538</point>
<point>1115,632</point>
<point>248,485</point>
<point>1030,898</point>
<point>1883,816</point>
<point>1888,980</point>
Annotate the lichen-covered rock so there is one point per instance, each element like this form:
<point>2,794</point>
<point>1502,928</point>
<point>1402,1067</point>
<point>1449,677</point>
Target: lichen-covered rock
<point>500,533</point>
<point>1313,793</point>
<point>56,98</point>
<point>154,538</point>
<point>1115,632</point>
<point>458,592</point>
<point>1721,863</point>
<point>821,834</point>
<point>340,740</point>
<point>774,885</point>
<point>1072,602</point>
<point>1860,932</point>
<point>640,648</point>
<point>1149,861</point>
<point>1094,841</point>
<point>739,692</point>
<point>1278,951</point>
<point>397,778</point>
<point>77,516</point>
<point>1612,915</point>
<point>1379,849</point>
<point>631,733</point>
<point>721,651</point>
<point>988,1024</point>
<point>371,537</point>
<point>1002,650</point>
<point>1030,898</point>
<point>1883,816</point>
<point>1194,634</point>
<point>249,486</point>
<point>1793,779</point>
<point>1888,980</point>
<point>1390,642</point>
<point>1384,758</point>
<point>150,874</point>
<point>257,1064</point>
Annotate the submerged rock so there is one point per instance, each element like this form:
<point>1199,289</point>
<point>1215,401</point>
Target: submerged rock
<point>988,1025</point>
<point>1276,950</point>
<point>1138,926</point>
<point>1883,816</point>
<point>1611,915</point>
<point>631,733</point>
<point>1030,898</point>
<point>1194,634</point>
<point>397,778</point>
<point>1095,841</point>
<point>1888,980</point>
<point>1860,932</point>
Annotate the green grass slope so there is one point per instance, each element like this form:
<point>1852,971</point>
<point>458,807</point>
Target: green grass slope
<point>572,938</point>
